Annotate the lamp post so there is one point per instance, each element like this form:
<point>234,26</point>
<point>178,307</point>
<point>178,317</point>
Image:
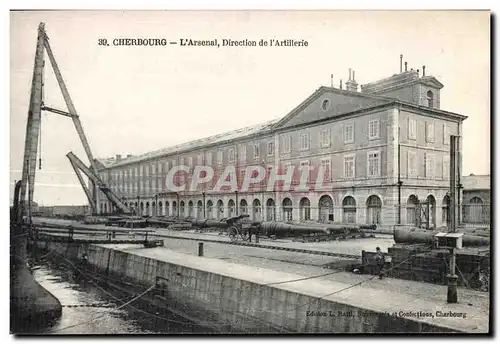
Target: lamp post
<point>204,208</point>
<point>236,196</point>
<point>178,205</point>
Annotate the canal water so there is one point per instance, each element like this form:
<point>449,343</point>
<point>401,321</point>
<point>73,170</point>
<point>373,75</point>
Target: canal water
<point>88,308</point>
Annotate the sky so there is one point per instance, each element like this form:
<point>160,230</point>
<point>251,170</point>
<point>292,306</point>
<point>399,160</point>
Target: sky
<point>136,99</point>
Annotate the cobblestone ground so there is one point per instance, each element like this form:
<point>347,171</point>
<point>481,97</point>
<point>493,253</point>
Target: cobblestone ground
<point>350,246</point>
<point>311,265</point>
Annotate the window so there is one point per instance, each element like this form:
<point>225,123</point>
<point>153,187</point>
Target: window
<point>429,131</point>
<point>430,99</point>
<point>412,164</point>
<point>270,148</point>
<point>349,133</point>
<point>325,105</point>
<point>166,166</point>
<point>349,166</point>
<point>145,170</point>
<point>199,160</point>
<point>446,135</point>
<point>190,161</point>
<point>219,156</point>
<point>209,158</point>
<point>174,163</point>
<point>412,129</point>
<point>326,164</point>
<point>153,170</point>
<point>243,152</point>
<point>287,144</point>
<point>230,156</point>
<point>429,165</point>
<point>242,175</point>
<point>159,167</point>
<point>446,167</point>
<point>304,163</point>
<point>256,151</point>
<point>373,129</point>
<point>374,164</point>
<point>304,141</point>
<point>324,138</point>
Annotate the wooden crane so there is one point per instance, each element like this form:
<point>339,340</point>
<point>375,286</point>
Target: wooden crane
<point>33,132</point>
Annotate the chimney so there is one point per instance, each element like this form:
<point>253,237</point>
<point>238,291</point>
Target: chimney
<point>406,66</point>
<point>423,70</point>
<point>118,157</point>
<point>340,83</point>
<point>401,63</point>
<point>351,84</point>
<point>331,80</point>
<point>418,72</point>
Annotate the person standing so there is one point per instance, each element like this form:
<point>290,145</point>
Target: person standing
<point>380,261</point>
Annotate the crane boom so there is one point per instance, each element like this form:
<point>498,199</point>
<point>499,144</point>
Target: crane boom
<point>94,177</point>
<point>69,104</point>
<point>84,186</point>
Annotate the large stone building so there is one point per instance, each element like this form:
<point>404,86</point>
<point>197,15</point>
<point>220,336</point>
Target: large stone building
<point>384,150</point>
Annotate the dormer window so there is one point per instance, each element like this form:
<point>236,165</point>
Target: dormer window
<point>430,99</point>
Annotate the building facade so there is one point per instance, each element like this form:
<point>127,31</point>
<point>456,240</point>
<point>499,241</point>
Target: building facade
<point>476,199</point>
<point>379,155</point>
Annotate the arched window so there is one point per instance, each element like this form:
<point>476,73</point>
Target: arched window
<point>190,208</point>
<point>430,99</point>
<point>243,207</point>
<point>271,210</point>
<point>411,210</point>
<point>349,209</point>
<point>325,208</point>
<point>160,208</point>
<point>175,209</point>
<point>256,210</point>
<point>374,209</point>
<point>231,208</point>
<point>305,209</point>
<point>287,210</point>
<point>182,205</point>
<point>199,210</point>
<point>210,206</point>
<point>167,208</point>
<point>220,209</point>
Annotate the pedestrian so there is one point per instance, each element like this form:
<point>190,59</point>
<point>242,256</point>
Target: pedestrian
<point>380,261</point>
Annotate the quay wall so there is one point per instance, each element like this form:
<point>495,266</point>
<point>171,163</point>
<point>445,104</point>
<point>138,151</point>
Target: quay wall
<point>209,289</point>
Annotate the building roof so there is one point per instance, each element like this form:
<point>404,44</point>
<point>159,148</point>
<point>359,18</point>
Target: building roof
<point>479,182</point>
<point>270,125</point>
<point>191,145</point>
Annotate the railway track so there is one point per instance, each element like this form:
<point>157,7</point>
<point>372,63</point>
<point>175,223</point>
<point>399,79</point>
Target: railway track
<point>271,247</point>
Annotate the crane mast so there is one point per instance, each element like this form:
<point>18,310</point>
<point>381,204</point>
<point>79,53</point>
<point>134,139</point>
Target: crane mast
<point>33,132</point>
<point>33,128</point>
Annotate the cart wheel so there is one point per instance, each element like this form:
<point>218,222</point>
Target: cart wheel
<point>245,236</point>
<point>233,233</point>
